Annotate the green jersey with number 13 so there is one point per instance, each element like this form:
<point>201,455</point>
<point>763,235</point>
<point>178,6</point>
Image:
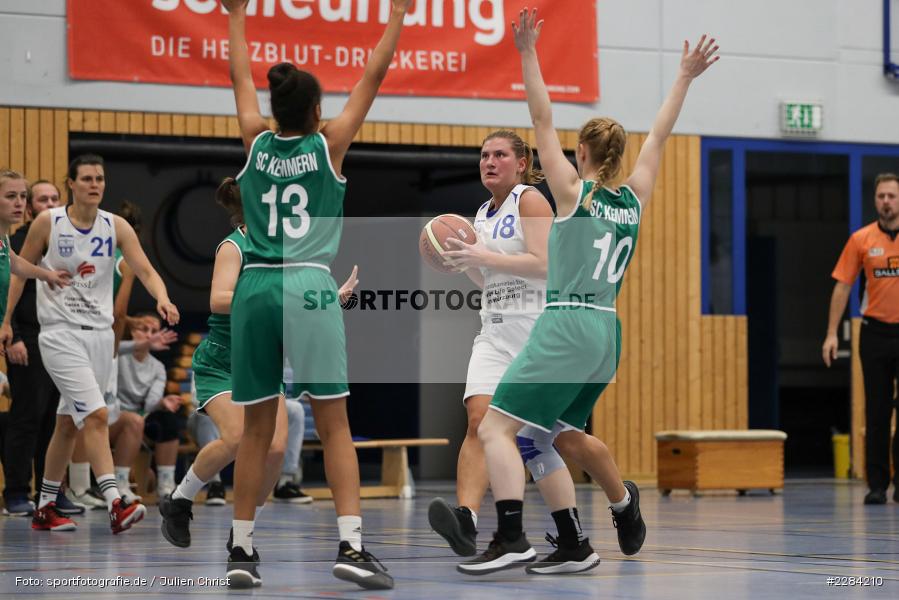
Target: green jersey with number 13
<point>292,201</point>
<point>590,250</point>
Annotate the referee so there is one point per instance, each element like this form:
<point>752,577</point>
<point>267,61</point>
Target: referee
<point>874,248</point>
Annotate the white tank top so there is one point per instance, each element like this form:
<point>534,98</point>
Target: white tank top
<point>90,257</point>
<point>501,232</point>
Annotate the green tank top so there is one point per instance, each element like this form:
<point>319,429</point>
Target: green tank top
<point>4,273</point>
<point>117,273</point>
<point>220,325</point>
<point>590,250</point>
<point>292,201</point>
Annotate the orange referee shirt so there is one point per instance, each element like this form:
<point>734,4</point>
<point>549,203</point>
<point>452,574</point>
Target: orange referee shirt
<point>874,250</point>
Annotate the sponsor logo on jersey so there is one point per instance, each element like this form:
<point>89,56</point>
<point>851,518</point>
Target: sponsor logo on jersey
<point>66,245</point>
<point>85,269</point>
<point>875,252</point>
<point>892,269</point>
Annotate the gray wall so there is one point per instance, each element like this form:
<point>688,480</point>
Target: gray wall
<point>823,50</point>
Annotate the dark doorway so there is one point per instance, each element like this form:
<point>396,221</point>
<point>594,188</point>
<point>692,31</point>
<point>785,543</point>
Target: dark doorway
<point>797,223</point>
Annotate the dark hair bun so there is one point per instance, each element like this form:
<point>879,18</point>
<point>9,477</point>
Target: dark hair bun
<point>295,94</point>
<point>282,78</point>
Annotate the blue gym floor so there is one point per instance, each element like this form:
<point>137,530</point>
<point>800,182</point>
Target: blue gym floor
<point>715,546</point>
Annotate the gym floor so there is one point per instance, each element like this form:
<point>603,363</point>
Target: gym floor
<point>806,542</point>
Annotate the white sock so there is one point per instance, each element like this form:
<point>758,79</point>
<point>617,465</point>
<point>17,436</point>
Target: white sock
<point>243,535</point>
<point>350,528</point>
<point>166,476</point>
<point>109,488</point>
<point>259,511</point>
<point>215,477</point>
<point>621,504</point>
<point>49,491</point>
<point>189,486</point>
<point>79,477</point>
<point>285,478</point>
<point>122,478</point>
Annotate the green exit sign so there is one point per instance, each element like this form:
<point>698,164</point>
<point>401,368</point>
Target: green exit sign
<point>801,118</point>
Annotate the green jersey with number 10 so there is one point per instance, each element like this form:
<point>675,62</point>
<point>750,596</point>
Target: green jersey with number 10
<point>590,250</point>
<point>292,201</point>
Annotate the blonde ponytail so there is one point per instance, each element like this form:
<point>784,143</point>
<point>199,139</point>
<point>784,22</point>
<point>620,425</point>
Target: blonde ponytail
<point>604,140</point>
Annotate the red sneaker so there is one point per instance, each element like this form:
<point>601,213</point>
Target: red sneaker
<point>48,519</point>
<point>124,515</point>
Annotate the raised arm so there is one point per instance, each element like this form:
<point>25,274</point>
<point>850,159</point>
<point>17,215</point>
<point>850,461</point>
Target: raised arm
<point>561,175</point>
<point>693,64</point>
<point>138,261</point>
<point>341,130</point>
<point>250,118</point>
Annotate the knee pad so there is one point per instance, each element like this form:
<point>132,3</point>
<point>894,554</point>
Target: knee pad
<point>537,451</point>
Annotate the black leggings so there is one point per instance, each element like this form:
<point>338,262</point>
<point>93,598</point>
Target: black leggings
<point>879,352</point>
<point>30,424</point>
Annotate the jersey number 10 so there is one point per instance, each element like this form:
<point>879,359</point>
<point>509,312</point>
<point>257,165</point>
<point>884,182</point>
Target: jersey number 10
<point>615,271</point>
<point>292,229</point>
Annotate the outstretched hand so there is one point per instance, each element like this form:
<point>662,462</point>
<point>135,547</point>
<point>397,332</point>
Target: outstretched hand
<point>528,31</point>
<point>57,279</point>
<point>162,340</point>
<point>704,55</point>
<point>349,285</point>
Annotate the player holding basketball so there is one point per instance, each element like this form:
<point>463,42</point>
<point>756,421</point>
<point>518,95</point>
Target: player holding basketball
<point>574,347</point>
<point>76,338</point>
<point>509,263</point>
<point>211,367</point>
<point>293,193</point>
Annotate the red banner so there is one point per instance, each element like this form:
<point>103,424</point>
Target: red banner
<point>458,48</point>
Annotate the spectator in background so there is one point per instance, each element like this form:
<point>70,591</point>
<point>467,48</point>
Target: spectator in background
<point>32,415</point>
<point>874,248</point>
<point>141,390</point>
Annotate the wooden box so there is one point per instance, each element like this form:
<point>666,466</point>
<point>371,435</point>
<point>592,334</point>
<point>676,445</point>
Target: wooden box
<point>727,459</point>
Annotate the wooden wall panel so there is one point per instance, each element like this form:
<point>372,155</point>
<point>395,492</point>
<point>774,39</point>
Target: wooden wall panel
<point>679,368</point>
<point>5,137</point>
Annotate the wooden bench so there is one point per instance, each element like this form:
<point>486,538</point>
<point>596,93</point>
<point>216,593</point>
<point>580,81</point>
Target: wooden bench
<point>396,482</point>
<point>726,459</point>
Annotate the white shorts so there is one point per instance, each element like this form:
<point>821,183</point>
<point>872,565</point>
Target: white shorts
<point>79,363</point>
<point>499,342</point>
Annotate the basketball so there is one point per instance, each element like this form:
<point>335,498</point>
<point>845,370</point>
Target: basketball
<point>432,242</point>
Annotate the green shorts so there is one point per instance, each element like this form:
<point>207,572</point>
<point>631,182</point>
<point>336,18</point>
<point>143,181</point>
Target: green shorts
<point>290,313</point>
<point>567,362</point>
<point>211,366</point>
